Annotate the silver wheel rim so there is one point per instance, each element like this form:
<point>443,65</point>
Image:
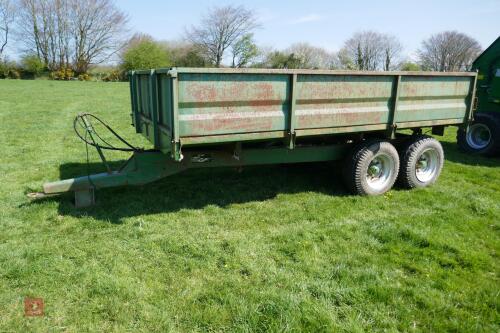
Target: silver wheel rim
<point>427,165</point>
<point>478,136</point>
<point>379,172</point>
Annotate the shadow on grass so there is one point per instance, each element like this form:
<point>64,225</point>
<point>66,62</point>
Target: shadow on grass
<point>453,154</point>
<point>198,188</point>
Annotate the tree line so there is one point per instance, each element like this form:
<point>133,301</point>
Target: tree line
<point>69,37</point>
<point>61,36</point>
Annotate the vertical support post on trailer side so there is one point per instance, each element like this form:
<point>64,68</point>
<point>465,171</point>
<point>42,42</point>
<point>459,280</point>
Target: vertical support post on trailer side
<point>392,126</point>
<point>153,104</point>
<point>176,142</point>
<point>133,98</point>
<point>292,118</point>
<point>140,104</point>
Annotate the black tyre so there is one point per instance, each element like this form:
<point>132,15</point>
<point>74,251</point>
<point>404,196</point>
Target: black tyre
<point>483,135</point>
<point>422,160</point>
<point>371,168</point>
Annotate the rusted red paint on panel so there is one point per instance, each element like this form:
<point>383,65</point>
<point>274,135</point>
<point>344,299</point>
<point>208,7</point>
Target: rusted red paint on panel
<point>230,90</point>
<point>203,93</point>
<point>264,93</point>
<point>343,101</point>
<point>351,118</point>
<point>220,125</point>
<point>231,105</point>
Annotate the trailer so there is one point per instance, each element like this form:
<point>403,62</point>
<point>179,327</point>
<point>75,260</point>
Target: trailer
<point>483,134</point>
<point>218,117</point>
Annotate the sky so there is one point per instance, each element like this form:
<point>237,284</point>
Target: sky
<point>327,23</point>
<point>323,23</point>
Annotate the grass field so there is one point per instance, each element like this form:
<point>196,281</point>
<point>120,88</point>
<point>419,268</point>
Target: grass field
<point>276,248</point>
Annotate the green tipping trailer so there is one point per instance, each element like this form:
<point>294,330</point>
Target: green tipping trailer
<point>483,134</point>
<point>201,117</point>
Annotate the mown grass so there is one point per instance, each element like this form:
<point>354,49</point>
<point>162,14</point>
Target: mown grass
<point>276,248</point>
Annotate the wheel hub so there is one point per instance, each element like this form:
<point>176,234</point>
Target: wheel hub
<point>427,165</point>
<point>374,169</point>
<point>379,171</point>
<point>422,163</point>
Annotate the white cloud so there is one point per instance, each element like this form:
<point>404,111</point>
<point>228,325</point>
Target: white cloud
<point>308,18</point>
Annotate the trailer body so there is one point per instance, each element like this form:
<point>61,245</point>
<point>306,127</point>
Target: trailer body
<point>181,107</point>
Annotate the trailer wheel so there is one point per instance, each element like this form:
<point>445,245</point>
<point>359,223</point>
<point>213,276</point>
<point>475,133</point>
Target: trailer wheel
<point>371,168</point>
<point>421,162</point>
<point>483,135</point>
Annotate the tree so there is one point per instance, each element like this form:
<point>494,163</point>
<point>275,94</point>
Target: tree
<point>313,57</point>
<point>391,51</point>
<point>185,54</point>
<point>7,15</point>
<point>143,52</point>
<point>44,27</point>
<point>449,51</point>
<point>281,60</point>
<point>370,50</point>
<point>71,33</point>
<point>243,51</point>
<point>364,50</point>
<point>299,55</point>
<point>190,58</point>
<point>36,29</point>
<point>32,64</point>
<point>345,60</point>
<point>220,29</point>
<point>8,68</point>
<point>97,32</point>
<point>410,66</point>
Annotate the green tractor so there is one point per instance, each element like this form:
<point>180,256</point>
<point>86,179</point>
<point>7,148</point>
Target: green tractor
<point>483,135</point>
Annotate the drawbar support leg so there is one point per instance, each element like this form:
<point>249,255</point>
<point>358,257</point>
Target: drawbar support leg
<point>84,198</point>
